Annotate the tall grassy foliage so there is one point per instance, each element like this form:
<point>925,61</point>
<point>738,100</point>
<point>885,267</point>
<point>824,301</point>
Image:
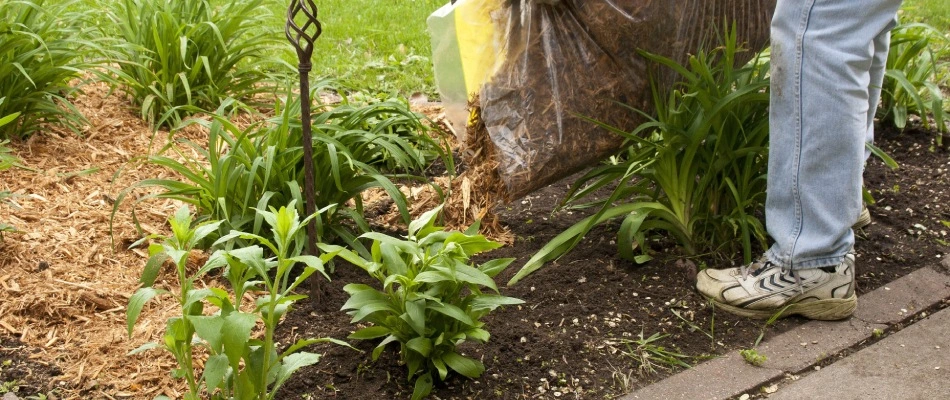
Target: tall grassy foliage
<point>695,171</point>
<point>179,57</point>
<point>356,148</point>
<point>42,48</point>
<point>914,74</point>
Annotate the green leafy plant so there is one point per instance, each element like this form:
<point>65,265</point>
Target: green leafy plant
<point>912,78</point>
<point>649,355</point>
<point>431,298</point>
<point>385,134</point>
<point>180,57</point>
<point>695,170</point>
<point>753,357</point>
<point>7,160</point>
<point>240,366</point>
<point>260,166</point>
<point>44,45</point>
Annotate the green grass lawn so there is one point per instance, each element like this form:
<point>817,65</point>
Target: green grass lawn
<point>374,46</point>
<point>933,12</point>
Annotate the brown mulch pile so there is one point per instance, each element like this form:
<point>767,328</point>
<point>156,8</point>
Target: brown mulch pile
<point>63,286</point>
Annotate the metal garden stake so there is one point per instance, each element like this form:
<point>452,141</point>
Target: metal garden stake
<point>303,36</point>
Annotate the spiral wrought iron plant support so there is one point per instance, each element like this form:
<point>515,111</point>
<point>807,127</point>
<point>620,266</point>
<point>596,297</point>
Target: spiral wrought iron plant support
<point>303,35</point>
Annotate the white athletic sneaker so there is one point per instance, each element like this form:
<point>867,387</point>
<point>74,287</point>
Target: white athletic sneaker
<point>761,290</point>
<point>863,220</point>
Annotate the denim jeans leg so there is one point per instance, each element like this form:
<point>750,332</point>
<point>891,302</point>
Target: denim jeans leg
<point>882,43</point>
<point>823,53</point>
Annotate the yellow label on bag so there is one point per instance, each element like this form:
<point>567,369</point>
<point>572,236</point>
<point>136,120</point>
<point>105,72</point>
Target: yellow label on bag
<point>479,46</point>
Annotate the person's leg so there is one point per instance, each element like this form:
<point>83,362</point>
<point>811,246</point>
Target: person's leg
<point>822,59</point>
<point>823,53</point>
<point>882,43</point>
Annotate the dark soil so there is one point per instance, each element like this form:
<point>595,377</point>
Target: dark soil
<point>573,337</point>
<point>20,373</point>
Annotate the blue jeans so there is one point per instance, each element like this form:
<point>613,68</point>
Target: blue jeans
<point>827,67</point>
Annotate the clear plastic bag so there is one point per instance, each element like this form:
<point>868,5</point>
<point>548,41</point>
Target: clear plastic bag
<point>552,64</point>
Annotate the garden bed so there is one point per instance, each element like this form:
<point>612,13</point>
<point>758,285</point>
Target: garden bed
<point>63,290</point>
<point>568,339</point>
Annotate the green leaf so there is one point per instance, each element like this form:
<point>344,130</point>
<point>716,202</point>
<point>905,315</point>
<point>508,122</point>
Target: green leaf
<point>630,230</point>
<point>215,369</point>
<point>478,334</point>
<point>434,276</point>
<point>152,268</point>
<point>474,276</point>
<point>492,301</point>
<point>395,265</point>
<point>452,311</point>
<point>196,296</point>
<point>472,244</point>
<point>463,365</point>
<point>427,219</point>
<point>136,302</point>
<point>882,155</point>
<point>423,387</point>
<point>205,229</point>
<point>421,345</point>
<point>379,348</point>
<point>564,241</point>
<point>237,331</point>
<point>402,245</point>
<point>416,315</point>
<point>145,347</point>
<point>310,261</point>
<point>361,295</point>
<point>372,332</point>
<point>291,364</point>
<point>9,118</point>
<point>372,307</point>
<point>209,328</point>
<point>495,267</point>
<point>441,367</point>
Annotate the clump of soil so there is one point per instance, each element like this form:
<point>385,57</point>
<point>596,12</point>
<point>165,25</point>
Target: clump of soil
<point>22,372</point>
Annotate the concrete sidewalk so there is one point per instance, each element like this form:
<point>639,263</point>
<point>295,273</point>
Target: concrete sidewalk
<point>911,363</point>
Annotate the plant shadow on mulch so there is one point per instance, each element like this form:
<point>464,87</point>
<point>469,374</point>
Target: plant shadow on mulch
<point>567,340</point>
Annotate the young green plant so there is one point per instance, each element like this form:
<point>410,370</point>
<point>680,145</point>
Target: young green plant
<point>753,357</point>
<point>431,299</point>
<point>240,365</point>
<point>649,355</point>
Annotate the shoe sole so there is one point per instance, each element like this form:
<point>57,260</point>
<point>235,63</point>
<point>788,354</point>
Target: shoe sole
<point>823,310</point>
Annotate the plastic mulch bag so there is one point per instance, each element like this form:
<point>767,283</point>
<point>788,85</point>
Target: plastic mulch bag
<point>535,70</point>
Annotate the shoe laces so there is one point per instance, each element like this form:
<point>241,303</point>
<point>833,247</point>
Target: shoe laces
<point>765,266</point>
